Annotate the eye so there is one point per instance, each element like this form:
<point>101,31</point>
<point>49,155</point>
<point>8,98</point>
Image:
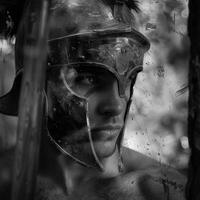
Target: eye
<point>88,79</point>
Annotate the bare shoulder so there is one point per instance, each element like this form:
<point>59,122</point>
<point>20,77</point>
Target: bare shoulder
<point>156,183</point>
<point>151,180</point>
<point>134,160</point>
<point>149,184</point>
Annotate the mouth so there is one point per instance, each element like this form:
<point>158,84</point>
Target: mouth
<point>103,133</point>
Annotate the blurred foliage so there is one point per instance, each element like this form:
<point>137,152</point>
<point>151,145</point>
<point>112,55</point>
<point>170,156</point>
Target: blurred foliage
<point>158,120</point>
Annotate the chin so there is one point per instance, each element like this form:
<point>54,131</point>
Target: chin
<point>104,149</point>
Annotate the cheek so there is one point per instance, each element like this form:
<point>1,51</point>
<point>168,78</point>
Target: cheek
<point>129,91</point>
<point>98,102</point>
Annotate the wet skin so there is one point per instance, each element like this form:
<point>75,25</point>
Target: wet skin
<point>143,179</point>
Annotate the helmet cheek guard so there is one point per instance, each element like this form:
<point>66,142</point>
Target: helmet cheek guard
<point>68,124</point>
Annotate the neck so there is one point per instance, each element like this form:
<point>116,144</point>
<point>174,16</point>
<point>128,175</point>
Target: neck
<point>75,174</point>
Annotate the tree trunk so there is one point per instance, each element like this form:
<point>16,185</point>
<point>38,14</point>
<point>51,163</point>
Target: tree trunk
<point>193,191</point>
<point>31,102</point>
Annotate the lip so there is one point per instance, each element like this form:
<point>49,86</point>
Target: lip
<point>105,132</point>
<point>99,133</point>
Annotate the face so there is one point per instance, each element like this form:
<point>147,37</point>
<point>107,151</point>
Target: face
<point>106,112</point>
<point>99,103</point>
<point>89,84</point>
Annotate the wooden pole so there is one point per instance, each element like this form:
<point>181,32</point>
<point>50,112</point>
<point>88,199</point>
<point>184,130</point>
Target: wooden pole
<point>31,101</point>
<point>193,191</point>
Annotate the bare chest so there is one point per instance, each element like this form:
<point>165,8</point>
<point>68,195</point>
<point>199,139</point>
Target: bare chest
<point>131,186</point>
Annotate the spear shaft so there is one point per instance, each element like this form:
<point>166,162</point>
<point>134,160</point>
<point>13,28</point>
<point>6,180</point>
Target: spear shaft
<point>31,102</point>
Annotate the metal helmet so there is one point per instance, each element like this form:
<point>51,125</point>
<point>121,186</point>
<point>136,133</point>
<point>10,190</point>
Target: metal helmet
<point>95,35</point>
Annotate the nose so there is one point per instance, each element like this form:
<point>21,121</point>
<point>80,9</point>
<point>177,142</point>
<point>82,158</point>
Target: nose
<point>111,103</point>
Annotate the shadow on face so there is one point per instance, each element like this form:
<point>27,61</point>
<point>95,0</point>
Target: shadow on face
<point>84,102</point>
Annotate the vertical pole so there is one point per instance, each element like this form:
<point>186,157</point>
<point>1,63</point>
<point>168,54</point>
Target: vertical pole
<point>192,191</point>
<point>31,101</point>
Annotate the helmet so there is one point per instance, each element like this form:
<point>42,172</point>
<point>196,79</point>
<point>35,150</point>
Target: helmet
<point>95,35</point>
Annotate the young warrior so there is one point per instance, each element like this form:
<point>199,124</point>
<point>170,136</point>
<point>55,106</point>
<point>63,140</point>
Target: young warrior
<point>94,56</point>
